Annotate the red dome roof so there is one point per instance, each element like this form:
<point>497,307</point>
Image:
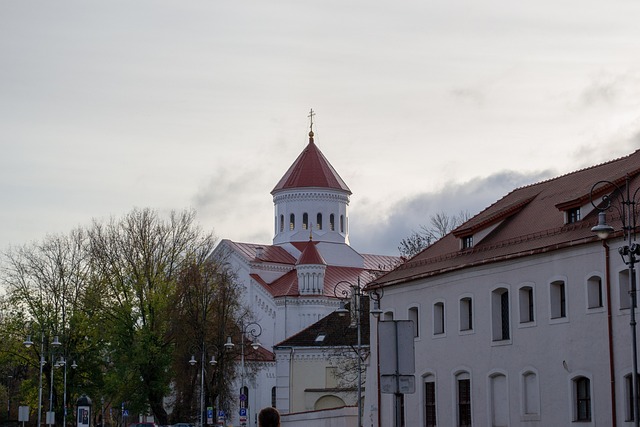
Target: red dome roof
<point>311,169</point>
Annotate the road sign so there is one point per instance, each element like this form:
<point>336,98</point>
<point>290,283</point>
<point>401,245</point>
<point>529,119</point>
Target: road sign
<point>125,412</point>
<point>242,412</point>
<point>220,415</point>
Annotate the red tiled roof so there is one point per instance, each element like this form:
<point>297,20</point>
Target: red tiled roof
<point>274,254</point>
<point>310,255</point>
<point>311,169</point>
<point>532,221</point>
<point>287,285</point>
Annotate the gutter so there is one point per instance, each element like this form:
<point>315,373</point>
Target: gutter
<point>612,370</point>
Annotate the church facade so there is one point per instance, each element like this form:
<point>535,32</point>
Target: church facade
<point>290,284</point>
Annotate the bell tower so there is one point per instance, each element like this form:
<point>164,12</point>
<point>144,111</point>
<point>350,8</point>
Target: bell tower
<point>311,198</point>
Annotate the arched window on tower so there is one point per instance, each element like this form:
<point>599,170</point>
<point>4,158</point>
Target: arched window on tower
<point>342,223</point>
<point>332,222</point>
<point>292,222</point>
<point>319,221</point>
<point>281,223</point>
<point>305,221</point>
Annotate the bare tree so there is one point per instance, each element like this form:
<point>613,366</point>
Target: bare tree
<point>440,224</point>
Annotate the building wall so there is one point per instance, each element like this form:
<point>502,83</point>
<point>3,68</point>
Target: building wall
<point>556,350</point>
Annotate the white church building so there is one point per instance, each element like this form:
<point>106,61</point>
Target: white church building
<point>522,314</point>
<point>289,284</point>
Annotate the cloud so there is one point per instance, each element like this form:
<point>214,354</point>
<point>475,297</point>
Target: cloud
<point>373,233</point>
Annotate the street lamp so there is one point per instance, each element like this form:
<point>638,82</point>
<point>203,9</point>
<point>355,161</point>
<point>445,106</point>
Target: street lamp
<point>56,343</point>
<point>353,292</point>
<point>253,330</point>
<point>62,362</point>
<point>212,362</point>
<point>626,207</point>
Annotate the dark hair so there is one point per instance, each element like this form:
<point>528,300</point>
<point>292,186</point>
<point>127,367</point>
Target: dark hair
<point>269,417</point>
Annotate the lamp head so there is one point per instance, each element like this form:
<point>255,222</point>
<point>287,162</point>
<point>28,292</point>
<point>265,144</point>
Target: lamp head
<point>342,311</point>
<point>192,361</point>
<point>603,230</point>
<point>376,311</point>
<point>255,344</point>
<point>28,343</point>
<point>56,342</point>
<point>229,344</point>
<point>213,361</point>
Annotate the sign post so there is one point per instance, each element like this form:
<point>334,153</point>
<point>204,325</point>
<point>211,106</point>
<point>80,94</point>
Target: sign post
<point>397,361</point>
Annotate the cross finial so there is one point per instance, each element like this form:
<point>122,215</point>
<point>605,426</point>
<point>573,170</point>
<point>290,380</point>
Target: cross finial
<point>311,114</point>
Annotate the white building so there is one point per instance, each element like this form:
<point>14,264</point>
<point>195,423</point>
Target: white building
<point>290,283</point>
<point>521,314</point>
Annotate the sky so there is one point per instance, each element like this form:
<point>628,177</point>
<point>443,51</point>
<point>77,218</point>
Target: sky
<point>421,106</point>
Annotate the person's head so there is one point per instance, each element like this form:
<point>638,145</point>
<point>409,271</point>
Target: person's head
<point>269,417</point>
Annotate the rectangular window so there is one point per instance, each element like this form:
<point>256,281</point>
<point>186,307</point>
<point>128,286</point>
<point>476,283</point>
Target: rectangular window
<point>464,403</point>
<point>467,242</point>
<point>430,404</point>
<point>573,215</point>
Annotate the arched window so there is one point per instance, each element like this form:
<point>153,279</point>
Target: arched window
<point>500,314</point>
<point>273,397</point>
<point>466,314</point>
<point>332,222</point>
<point>413,316</point>
<point>438,318</point>
<point>281,223</point>
<point>463,397</point>
<point>342,223</point>
<point>305,221</point>
<point>499,400</point>
<point>430,401</point>
<point>531,394</point>
<point>582,395</point>
<point>526,304</point>
<point>594,292</point>
<point>292,222</point>
<point>558,299</point>
<point>319,221</point>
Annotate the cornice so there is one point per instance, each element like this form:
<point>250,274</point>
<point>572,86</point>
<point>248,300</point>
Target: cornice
<point>315,195</point>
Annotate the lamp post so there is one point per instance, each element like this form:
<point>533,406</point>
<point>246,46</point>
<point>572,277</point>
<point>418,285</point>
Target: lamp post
<point>212,362</point>
<point>9,378</point>
<point>253,330</point>
<point>376,295</point>
<point>626,207</point>
<point>62,363</point>
<point>28,343</point>
<point>353,292</point>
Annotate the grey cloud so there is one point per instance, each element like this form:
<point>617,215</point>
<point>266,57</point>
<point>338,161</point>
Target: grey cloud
<point>370,235</point>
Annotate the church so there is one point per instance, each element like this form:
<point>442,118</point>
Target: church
<point>297,280</point>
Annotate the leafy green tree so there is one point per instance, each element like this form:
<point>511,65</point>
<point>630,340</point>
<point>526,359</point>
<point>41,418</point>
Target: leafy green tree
<point>138,261</point>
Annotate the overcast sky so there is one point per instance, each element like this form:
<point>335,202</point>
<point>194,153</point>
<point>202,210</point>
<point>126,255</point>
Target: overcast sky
<point>422,106</point>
